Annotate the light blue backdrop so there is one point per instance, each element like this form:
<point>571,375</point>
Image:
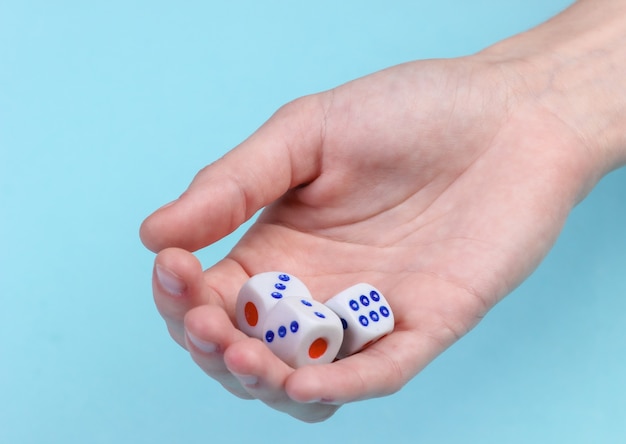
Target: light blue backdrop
<point>108,108</point>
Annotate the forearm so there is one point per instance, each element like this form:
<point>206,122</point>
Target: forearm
<point>575,65</point>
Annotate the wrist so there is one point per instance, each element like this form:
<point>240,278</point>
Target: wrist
<point>574,66</point>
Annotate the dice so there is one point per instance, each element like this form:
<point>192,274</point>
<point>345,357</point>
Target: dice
<point>365,315</point>
<point>260,294</point>
<point>277,308</point>
<point>302,332</point>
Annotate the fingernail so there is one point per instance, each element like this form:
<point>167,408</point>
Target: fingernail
<point>203,346</point>
<point>328,401</point>
<point>170,282</point>
<point>247,380</point>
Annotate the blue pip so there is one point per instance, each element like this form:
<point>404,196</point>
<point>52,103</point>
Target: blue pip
<point>302,332</point>
<point>365,316</point>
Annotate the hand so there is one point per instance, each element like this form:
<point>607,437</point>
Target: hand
<point>443,183</point>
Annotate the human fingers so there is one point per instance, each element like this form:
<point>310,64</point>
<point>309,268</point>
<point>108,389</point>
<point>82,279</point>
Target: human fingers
<point>180,284</point>
<point>209,332</point>
<point>280,155</point>
<point>263,376</point>
<point>177,285</point>
<point>191,303</point>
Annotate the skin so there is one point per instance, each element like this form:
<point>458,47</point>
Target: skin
<point>441,182</point>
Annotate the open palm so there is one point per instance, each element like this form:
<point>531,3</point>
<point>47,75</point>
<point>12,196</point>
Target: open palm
<point>442,183</point>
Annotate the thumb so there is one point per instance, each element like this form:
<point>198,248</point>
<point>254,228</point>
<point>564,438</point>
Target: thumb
<point>284,153</point>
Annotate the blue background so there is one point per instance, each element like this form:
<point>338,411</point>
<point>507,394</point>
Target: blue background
<point>107,109</point>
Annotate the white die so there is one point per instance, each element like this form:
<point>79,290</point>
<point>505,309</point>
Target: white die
<point>365,314</point>
<point>260,294</point>
<point>302,332</point>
